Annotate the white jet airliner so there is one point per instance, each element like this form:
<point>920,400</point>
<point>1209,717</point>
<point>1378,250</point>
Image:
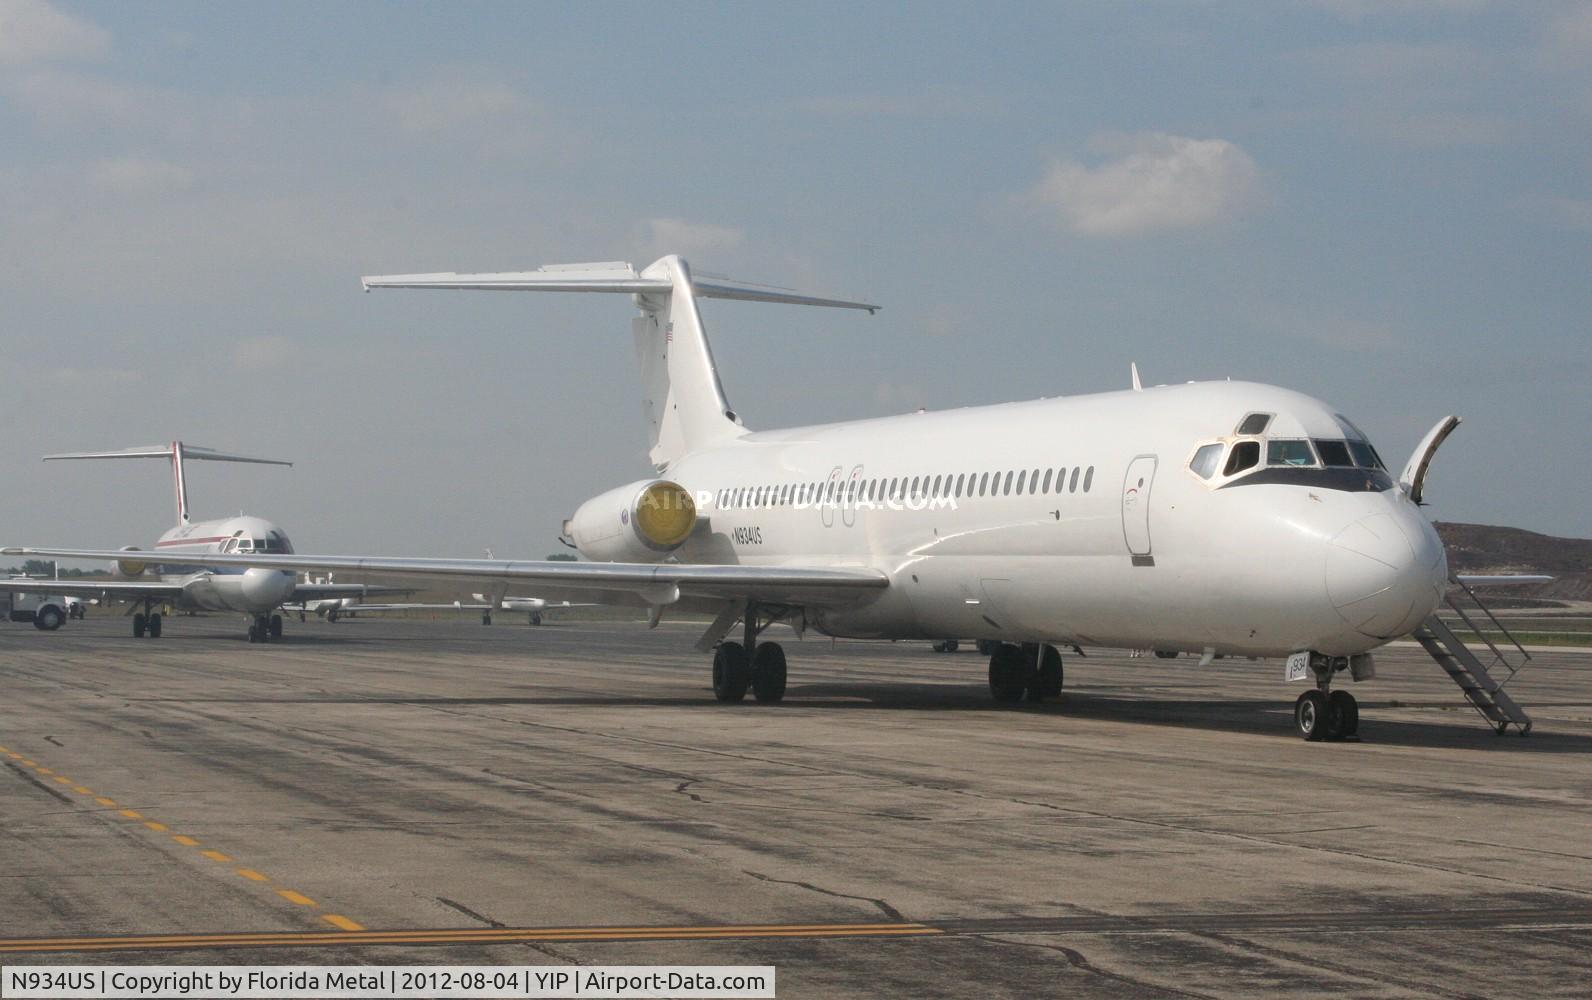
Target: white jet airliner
<point>1216,518</point>
<point>168,575</point>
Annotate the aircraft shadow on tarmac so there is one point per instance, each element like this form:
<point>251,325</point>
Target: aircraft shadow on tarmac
<point>1252,716</point>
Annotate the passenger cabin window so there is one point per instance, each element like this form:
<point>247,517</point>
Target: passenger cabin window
<point>1088,479</point>
<point>1205,461</point>
<point>1072,486</point>
<point>1290,452</point>
<point>1254,423</point>
<point>1245,455</point>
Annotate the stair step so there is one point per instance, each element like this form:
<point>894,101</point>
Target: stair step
<point>1470,675</point>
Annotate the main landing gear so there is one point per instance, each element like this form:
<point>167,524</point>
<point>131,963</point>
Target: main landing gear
<point>762,669</point>
<point>147,622</point>
<point>1032,670</point>
<point>1325,714</point>
<point>265,628</point>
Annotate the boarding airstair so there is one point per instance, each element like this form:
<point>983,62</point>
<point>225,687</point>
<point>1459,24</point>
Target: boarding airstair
<point>1462,663</point>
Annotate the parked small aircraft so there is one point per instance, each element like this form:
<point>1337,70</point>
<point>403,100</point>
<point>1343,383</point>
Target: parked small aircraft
<point>167,576</point>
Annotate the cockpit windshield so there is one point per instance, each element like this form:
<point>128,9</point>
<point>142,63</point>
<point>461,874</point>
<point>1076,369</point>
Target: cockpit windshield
<point>274,542</point>
<point>1290,452</point>
<point>1337,463</point>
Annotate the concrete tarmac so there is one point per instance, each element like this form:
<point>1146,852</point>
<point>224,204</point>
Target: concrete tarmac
<point>410,792</point>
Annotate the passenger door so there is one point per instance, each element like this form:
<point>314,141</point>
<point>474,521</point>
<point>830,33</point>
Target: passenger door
<point>1136,504</point>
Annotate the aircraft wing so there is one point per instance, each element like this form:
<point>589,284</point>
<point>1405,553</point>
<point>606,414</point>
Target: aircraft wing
<point>607,583</point>
<point>94,588</point>
<point>326,591</point>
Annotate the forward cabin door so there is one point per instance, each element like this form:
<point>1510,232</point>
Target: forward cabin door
<point>1136,504</point>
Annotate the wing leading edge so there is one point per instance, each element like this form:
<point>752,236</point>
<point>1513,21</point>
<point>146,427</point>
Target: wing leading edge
<point>651,583</point>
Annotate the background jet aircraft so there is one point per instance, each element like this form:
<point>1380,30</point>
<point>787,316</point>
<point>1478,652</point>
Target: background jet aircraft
<point>165,577</point>
<point>1216,518</point>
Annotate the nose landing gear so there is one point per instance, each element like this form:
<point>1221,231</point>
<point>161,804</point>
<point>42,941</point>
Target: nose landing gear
<point>1325,714</point>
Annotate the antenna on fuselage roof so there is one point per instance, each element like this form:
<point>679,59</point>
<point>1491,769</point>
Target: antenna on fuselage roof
<point>177,452</point>
<point>1133,370</point>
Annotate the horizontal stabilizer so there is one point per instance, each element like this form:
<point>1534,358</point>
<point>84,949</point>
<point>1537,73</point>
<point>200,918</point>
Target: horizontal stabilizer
<point>601,277</point>
<point>165,451</point>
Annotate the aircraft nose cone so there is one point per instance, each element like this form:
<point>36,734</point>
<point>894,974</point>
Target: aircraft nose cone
<point>1382,581</point>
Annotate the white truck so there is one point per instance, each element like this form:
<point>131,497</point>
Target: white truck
<point>46,611</point>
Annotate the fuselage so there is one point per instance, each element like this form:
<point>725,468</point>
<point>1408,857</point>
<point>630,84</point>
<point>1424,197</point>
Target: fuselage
<point>1092,519</point>
<point>253,591</point>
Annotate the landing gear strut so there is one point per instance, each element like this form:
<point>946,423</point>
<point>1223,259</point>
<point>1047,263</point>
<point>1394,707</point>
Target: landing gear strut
<point>759,666</point>
<point>1325,714</point>
<point>1033,670</point>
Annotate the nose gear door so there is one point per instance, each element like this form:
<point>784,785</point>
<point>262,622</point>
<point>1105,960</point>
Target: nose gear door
<point>1136,504</point>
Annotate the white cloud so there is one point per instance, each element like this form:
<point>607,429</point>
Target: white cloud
<point>258,354</point>
<point>661,236</point>
<point>32,31</point>
<point>446,103</point>
<point>1158,182</point>
<point>63,99</point>
<point>138,175</point>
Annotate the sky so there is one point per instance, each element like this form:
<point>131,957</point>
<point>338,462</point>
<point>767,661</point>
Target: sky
<point>1387,205</point>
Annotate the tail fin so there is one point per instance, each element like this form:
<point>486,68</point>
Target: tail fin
<point>177,452</point>
<point>683,399</point>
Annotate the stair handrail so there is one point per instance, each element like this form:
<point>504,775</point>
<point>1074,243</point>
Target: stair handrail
<point>1498,654</point>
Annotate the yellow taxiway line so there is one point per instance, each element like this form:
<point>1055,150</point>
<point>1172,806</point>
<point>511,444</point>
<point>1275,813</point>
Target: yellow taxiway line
<point>482,935</point>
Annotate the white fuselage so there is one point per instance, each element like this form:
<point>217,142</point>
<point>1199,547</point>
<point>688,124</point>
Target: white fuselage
<point>254,591</point>
<point>1135,550</point>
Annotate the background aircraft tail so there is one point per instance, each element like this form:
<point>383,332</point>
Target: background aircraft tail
<point>177,452</point>
<point>682,398</point>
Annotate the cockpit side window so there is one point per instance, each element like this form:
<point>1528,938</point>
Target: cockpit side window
<point>1291,452</point>
<point>1254,423</point>
<point>1205,460</point>
<point>1365,456</point>
<point>1245,455</point>
<point>1334,453</point>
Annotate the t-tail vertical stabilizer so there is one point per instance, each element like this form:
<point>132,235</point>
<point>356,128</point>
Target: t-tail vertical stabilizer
<point>682,397</point>
<point>178,453</point>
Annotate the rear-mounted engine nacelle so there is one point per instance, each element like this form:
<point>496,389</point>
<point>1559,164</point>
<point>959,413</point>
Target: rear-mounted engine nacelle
<point>131,567</point>
<point>641,522</point>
